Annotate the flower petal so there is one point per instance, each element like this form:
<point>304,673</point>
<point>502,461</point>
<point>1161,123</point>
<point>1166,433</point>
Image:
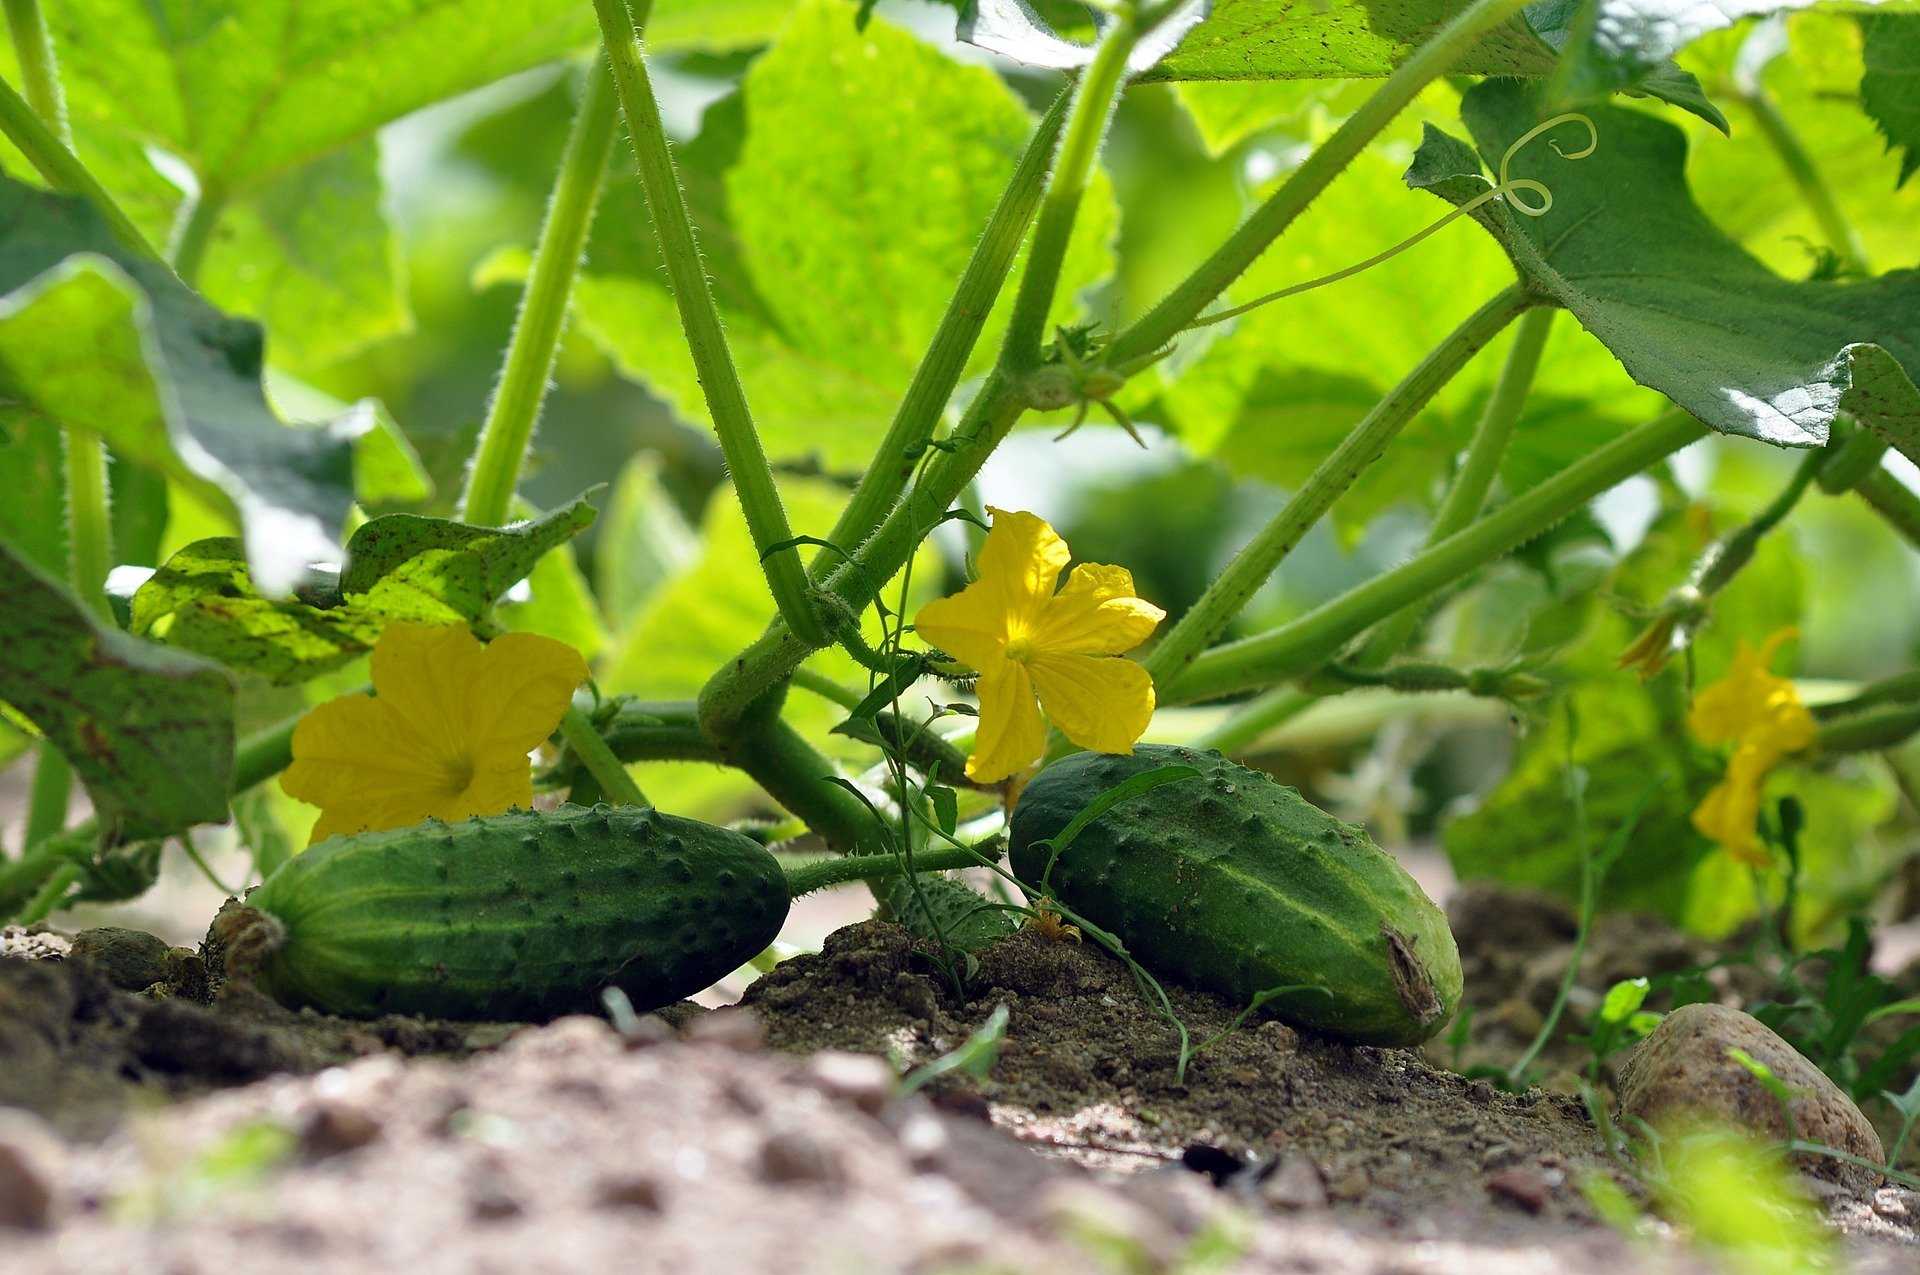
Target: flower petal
<point>1096,614</point>
<point>1021,560</point>
<point>431,675</point>
<point>970,626</point>
<point>354,750</point>
<point>1102,703</point>
<point>525,683</point>
<point>1011,734</point>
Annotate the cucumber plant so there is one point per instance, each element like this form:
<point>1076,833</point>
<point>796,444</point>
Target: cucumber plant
<point>867,269</point>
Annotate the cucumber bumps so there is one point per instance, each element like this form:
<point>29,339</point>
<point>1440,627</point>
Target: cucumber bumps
<point>1240,886</point>
<point>520,915</point>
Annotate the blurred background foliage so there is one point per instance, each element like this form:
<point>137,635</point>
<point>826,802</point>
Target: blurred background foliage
<point>423,229</point>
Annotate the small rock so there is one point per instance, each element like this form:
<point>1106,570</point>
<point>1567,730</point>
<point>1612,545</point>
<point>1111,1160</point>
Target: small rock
<point>630,1191</point>
<point>861,1080</point>
<point>1682,1072</point>
<point>1351,1185</point>
<point>334,1128</point>
<point>489,1200</point>
<point>731,1027</point>
<point>1526,1188</point>
<point>132,960</point>
<point>30,1160</point>
<point>1295,1184</point>
<point>795,1158</point>
<point>568,1037</point>
<point>924,1139</point>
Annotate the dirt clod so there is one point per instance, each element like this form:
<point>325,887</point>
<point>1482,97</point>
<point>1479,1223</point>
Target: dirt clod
<point>132,960</point>
<point>1682,1071</point>
<point>1294,1184</point>
<point>30,1160</point>
<point>795,1157</point>
<point>859,1079</point>
<point>335,1128</point>
<point>1523,1187</point>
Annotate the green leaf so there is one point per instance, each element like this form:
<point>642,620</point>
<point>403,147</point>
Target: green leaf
<point>1683,308</point>
<point>558,605</point>
<point>149,730</point>
<point>399,567</point>
<point>97,339</point>
<point>644,541</point>
<point>312,257</point>
<point>1890,89</point>
<point>1011,29</point>
<point>33,473</point>
<point>831,265</point>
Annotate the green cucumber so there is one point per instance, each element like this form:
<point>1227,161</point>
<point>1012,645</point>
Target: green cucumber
<point>941,907</point>
<point>1240,886</point>
<point>520,915</point>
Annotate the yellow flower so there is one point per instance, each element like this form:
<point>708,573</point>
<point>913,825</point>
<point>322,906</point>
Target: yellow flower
<point>446,733</point>
<point>1761,715</point>
<point>1024,639</point>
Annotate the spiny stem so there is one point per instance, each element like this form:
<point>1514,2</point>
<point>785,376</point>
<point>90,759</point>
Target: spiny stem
<point>700,317</point>
<point>1299,645</point>
<point>515,408</point>
<point>1468,494</point>
<point>1093,103</point>
<point>39,73</point>
<point>1208,618</point>
<point>592,750</point>
<point>953,341</point>
<point>1213,276</point>
<point>808,877</point>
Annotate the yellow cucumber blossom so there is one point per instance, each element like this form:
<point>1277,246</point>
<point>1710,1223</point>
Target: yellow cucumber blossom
<point>1025,640</point>
<point>446,733</point>
<point>1761,715</point>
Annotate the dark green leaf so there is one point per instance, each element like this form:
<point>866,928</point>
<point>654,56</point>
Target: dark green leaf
<point>95,338</point>
<point>1890,89</point>
<point>149,730</point>
<point>1683,308</point>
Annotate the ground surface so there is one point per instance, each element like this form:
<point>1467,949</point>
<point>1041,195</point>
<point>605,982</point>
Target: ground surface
<point>192,1137</point>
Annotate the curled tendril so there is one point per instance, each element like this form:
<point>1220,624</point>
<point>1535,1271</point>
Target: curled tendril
<point>1508,189</point>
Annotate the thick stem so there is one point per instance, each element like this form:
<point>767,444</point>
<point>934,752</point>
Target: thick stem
<point>808,877</point>
<point>1264,713</point>
<point>1840,233</point>
<point>1869,732</point>
<point>62,170</point>
<point>195,235</point>
<point>783,763</point>
<point>1093,104</point>
<point>1213,276</point>
<point>89,521</point>
<point>953,341</point>
<point>1227,596</point>
<point>700,317</point>
<point>1893,501</point>
<point>47,803</point>
<point>1299,645</point>
<point>1468,495</point>
<point>641,730</point>
<point>515,408</point>
<point>39,73</point>
<point>592,750</point>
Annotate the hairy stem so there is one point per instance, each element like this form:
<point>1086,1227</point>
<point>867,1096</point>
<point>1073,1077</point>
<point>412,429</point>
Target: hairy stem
<point>1208,618</point>
<point>808,877</point>
<point>1468,494</point>
<point>953,341</point>
<point>515,409</point>
<point>700,318</point>
<point>1214,275</point>
<point>1300,644</point>
<point>62,169</point>
<point>794,774</point>
<point>39,73</point>
<point>592,750</point>
<point>1794,157</point>
<point>1893,501</point>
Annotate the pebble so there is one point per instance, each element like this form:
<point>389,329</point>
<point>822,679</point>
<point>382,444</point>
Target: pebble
<point>1525,1188</point>
<point>334,1128</point>
<point>794,1158</point>
<point>489,1200</point>
<point>132,960</point>
<point>859,1080</point>
<point>1295,1184</point>
<point>630,1191</point>
<point>731,1027</point>
<point>1682,1072</point>
<point>30,1161</point>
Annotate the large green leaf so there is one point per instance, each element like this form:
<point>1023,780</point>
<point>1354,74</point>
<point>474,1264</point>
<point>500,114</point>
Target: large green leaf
<point>831,264</point>
<point>149,730</point>
<point>1683,308</point>
<point>1610,45</point>
<point>399,567</point>
<point>1890,89</point>
<point>93,337</point>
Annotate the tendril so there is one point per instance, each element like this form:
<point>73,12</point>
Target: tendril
<point>1509,189</point>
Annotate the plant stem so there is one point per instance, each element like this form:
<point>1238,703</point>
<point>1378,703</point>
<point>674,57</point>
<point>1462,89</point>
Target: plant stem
<point>1840,234</point>
<point>826,688</point>
<point>808,877</point>
<point>592,750</point>
<point>190,244</point>
<point>62,170</point>
<point>646,731</point>
<point>706,341</point>
<point>953,341</point>
<point>1868,732</point>
<point>89,521</point>
<point>1213,276</point>
<point>47,802</point>
<point>39,73</point>
<point>1300,644</point>
<point>1901,688</point>
<point>783,763</point>
<point>1093,103</point>
<point>515,408</point>
<point>1209,617</point>
<point>1265,712</point>
<point>1892,500</point>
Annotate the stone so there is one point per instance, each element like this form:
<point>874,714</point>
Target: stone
<point>1295,1184</point>
<point>860,1080</point>
<point>1525,1188</point>
<point>630,1191</point>
<point>132,960</point>
<point>30,1163</point>
<point>793,1158</point>
<point>333,1128</point>
<point>1682,1073</point>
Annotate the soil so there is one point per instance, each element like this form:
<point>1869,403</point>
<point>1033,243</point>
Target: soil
<point>191,1126</point>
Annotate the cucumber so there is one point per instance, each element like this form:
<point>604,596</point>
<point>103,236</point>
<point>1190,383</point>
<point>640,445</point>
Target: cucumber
<point>1238,885</point>
<point>520,915</point>
<point>943,906</point>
